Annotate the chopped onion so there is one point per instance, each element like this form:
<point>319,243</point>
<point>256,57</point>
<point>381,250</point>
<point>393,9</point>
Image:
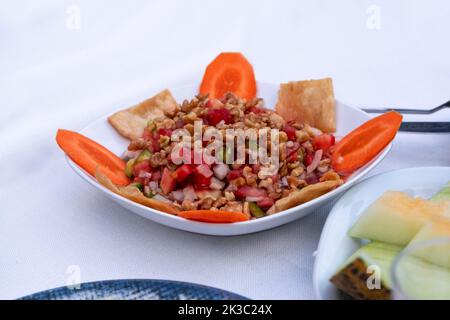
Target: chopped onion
<point>253,199</point>
<point>284,182</point>
<point>204,170</point>
<point>221,170</point>
<point>144,175</point>
<point>178,195</point>
<point>216,184</point>
<point>316,161</point>
<point>127,155</point>
<point>189,193</point>
<point>153,185</point>
<point>161,198</point>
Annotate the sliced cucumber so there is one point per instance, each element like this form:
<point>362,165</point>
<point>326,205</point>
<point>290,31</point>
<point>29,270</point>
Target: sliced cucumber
<point>129,168</point>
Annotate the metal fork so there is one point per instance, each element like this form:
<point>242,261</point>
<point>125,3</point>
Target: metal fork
<point>410,111</point>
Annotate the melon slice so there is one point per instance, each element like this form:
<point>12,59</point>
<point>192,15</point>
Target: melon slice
<point>432,243</point>
<point>396,218</point>
<point>443,195</point>
<point>418,279</point>
<point>352,278</point>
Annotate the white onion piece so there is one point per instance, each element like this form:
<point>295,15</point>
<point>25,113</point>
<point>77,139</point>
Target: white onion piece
<point>161,198</point>
<point>204,170</point>
<point>189,193</point>
<point>253,199</point>
<point>127,155</point>
<point>178,195</point>
<point>221,170</point>
<point>153,185</point>
<point>144,175</point>
<point>216,184</point>
<point>316,161</point>
<point>284,182</point>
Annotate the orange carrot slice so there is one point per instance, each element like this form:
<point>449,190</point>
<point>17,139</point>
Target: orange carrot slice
<point>229,72</point>
<point>365,142</point>
<point>89,155</point>
<point>215,216</point>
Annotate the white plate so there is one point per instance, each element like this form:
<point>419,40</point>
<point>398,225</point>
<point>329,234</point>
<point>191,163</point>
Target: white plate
<point>335,246</point>
<point>348,118</point>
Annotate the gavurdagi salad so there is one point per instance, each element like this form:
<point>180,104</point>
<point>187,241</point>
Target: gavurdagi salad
<point>222,156</point>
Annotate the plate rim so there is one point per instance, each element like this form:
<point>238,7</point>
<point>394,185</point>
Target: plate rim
<point>162,281</point>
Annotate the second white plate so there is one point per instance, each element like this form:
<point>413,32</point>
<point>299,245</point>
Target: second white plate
<point>335,246</point>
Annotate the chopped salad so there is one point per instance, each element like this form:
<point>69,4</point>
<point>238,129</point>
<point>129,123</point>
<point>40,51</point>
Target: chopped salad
<point>222,156</point>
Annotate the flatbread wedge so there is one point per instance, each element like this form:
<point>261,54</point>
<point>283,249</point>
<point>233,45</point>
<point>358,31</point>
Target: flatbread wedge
<point>133,194</point>
<point>131,122</point>
<point>330,181</point>
<point>310,101</point>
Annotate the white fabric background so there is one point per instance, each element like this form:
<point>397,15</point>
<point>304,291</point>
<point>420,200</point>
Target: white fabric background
<point>54,76</point>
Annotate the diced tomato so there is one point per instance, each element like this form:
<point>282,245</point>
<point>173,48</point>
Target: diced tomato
<point>141,166</point>
<point>138,180</point>
<point>183,172</point>
<point>265,203</point>
<point>308,159</point>
<point>214,116</point>
<point>275,178</point>
<point>152,137</point>
<point>201,181</point>
<point>204,170</point>
<point>164,132</point>
<point>147,135</point>
<point>154,146</point>
<point>255,168</point>
<point>168,183</point>
<point>156,175</point>
<point>247,191</point>
<point>234,174</point>
<point>291,152</point>
<point>324,141</point>
<point>292,158</point>
<point>312,178</point>
<point>290,132</point>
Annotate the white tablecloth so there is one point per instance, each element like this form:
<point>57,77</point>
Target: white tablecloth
<point>59,69</point>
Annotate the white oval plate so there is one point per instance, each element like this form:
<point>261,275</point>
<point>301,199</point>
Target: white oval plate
<point>348,118</point>
<point>335,246</point>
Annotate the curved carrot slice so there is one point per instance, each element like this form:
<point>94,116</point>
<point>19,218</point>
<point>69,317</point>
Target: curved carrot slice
<point>365,142</point>
<point>216,216</point>
<point>229,72</point>
<point>89,155</point>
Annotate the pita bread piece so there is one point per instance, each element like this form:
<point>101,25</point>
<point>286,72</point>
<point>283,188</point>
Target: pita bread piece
<point>132,193</point>
<point>309,101</point>
<point>330,181</point>
<point>131,122</point>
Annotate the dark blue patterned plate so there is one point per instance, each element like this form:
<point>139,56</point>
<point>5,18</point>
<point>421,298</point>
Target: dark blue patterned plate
<point>135,289</point>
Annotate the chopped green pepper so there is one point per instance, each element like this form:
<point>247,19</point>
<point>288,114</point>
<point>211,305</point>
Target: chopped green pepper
<point>137,185</point>
<point>255,210</point>
<point>129,168</point>
<point>151,125</point>
<point>143,156</point>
